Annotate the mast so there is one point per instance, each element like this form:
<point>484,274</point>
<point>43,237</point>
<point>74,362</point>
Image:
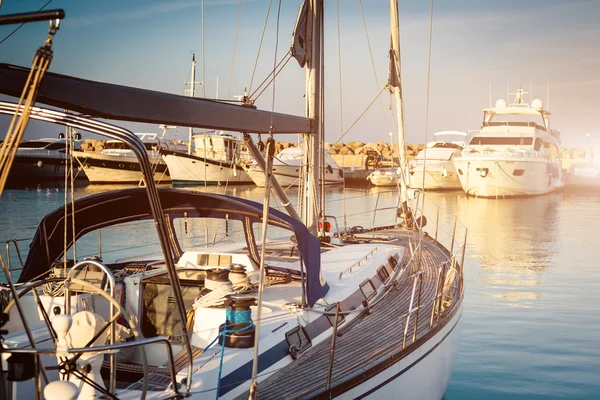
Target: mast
<point>192,93</point>
<point>395,82</point>
<point>309,185</point>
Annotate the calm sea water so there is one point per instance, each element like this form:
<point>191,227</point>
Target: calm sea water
<point>531,325</point>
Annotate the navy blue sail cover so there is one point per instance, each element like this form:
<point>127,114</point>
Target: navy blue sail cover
<point>116,207</point>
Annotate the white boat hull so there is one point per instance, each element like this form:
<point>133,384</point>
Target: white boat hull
<point>288,175</point>
<point>109,168</point>
<point>502,178</point>
<point>192,170</point>
<point>437,177</point>
<point>421,375</point>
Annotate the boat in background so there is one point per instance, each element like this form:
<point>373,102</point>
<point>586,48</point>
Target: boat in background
<point>433,167</point>
<point>515,153</point>
<point>287,165</point>
<point>116,162</point>
<point>217,159</point>
<point>42,160</point>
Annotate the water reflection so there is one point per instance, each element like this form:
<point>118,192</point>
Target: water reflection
<point>514,241</point>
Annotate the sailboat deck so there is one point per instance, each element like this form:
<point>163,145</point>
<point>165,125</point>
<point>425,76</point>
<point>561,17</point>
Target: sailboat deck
<point>378,335</point>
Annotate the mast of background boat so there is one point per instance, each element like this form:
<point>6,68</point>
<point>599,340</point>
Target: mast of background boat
<point>192,94</point>
<point>395,82</point>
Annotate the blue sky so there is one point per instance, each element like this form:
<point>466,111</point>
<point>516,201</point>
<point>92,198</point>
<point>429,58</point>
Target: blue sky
<point>518,42</point>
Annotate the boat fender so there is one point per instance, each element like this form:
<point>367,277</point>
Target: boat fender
<point>341,173</point>
<point>330,169</point>
<point>40,164</point>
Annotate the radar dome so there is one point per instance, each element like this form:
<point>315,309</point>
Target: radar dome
<point>537,103</point>
<point>500,103</point>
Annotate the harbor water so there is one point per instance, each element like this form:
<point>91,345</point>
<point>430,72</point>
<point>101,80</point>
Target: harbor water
<point>531,322</point>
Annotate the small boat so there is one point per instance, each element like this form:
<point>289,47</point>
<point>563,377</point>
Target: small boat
<point>42,160</point>
<point>217,159</point>
<point>515,153</point>
<point>116,162</point>
<point>433,168</point>
<point>287,165</point>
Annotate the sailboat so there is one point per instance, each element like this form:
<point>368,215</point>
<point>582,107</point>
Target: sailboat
<point>218,156</point>
<point>316,312</point>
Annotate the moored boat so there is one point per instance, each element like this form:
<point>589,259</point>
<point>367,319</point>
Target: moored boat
<point>515,153</point>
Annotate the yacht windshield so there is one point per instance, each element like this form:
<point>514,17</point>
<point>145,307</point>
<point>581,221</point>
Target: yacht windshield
<point>501,141</point>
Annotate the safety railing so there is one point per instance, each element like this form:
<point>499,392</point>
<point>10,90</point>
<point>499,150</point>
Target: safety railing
<point>359,262</point>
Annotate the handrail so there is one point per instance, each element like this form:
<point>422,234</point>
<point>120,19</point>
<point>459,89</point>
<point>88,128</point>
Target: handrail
<point>115,132</point>
<point>109,348</point>
<point>8,260</point>
<point>357,264</point>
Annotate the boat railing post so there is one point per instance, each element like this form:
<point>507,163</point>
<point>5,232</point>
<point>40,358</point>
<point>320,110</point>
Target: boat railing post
<point>15,296</point>
<point>453,234</point>
<point>410,308</point>
<point>100,243</point>
<point>437,222</point>
<point>418,308</point>
<point>435,297</point>
<point>333,341</point>
<point>375,210</point>
<point>441,294</point>
<point>8,258</point>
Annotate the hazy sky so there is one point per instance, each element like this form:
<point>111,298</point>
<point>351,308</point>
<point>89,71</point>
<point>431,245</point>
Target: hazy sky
<point>528,43</point>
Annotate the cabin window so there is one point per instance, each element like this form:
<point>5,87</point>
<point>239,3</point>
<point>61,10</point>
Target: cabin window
<point>368,289</point>
<point>56,146</point>
<point>518,172</point>
<point>383,273</point>
<point>501,141</point>
<point>538,144</point>
<point>34,145</point>
<point>460,171</point>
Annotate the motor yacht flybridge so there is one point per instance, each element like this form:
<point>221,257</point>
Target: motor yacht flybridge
<point>515,153</point>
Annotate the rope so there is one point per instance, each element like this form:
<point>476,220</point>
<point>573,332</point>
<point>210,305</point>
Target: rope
<point>18,124</point>
<point>219,290</point>
<point>260,45</point>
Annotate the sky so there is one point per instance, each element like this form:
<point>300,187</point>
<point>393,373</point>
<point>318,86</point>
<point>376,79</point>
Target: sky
<point>476,45</point>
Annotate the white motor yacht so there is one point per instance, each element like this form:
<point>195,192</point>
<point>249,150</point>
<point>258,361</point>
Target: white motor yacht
<point>435,162</point>
<point>117,163</point>
<point>42,160</point>
<point>515,153</point>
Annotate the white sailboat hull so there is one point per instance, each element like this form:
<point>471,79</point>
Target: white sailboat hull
<point>288,175</point>
<point>421,375</point>
<point>192,170</point>
<point>506,178</point>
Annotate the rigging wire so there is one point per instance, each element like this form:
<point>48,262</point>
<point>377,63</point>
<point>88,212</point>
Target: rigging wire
<point>276,71</point>
<point>387,129</point>
<point>341,106</point>
<point>362,114</point>
<point>237,26</point>
<point>268,175</point>
<point>260,45</point>
<point>20,26</point>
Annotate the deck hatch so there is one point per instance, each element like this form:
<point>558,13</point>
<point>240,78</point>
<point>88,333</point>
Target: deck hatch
<point>368,289</point>
<point>298,341</point>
